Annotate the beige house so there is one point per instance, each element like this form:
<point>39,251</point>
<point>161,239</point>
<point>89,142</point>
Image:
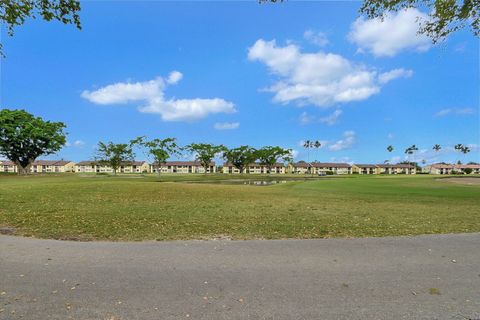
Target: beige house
<point>8,166</point>
<point>126,167</point>
<point>182,167</point>
<point>364,168</point>
<point>255,168</point>
<point>475,168</point>
<point>443,168</point>
<point>41,166</point>
<point>300,167</point>
<point>44,166</point>
<point>401,168</point>
<point>439,168</point>
<point>335,168</point>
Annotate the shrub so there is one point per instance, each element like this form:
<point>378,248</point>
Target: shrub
<point>329,172</point>
<point>468,170</point>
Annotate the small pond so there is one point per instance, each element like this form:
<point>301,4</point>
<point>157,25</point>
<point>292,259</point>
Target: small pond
<point>252,182</point>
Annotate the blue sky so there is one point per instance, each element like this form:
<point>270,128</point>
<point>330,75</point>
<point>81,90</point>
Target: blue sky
<point>243,73</point>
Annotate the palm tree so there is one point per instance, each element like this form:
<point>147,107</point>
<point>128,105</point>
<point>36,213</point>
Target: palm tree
<point>390,148</point>
<point>437,147</point>
<point>410,151</point>
<point>307,144</point>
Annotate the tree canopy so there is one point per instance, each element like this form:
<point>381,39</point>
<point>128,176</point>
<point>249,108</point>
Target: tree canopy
<point>115,154</point>
<point>24,137</point>
<point>205,152</point>
<point>14,13</point>
<point>240,157</point>
<point>160,149</point>
<point>268,156</point>
<point>444,16</point>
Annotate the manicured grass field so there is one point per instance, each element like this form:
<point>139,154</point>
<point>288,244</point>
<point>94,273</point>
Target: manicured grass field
<point>143,208</point>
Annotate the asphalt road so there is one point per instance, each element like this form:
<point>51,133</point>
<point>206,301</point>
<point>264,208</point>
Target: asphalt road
<point>426,277</point>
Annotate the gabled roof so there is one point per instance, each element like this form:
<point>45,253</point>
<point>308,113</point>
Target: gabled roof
<point>330,164</point>
<point>183,163</point>
<point>398,165</point>
<point>126,163</point>
<point>365,165</point>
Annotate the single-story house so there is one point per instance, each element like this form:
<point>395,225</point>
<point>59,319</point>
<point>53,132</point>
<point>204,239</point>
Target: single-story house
<point>182,167</point>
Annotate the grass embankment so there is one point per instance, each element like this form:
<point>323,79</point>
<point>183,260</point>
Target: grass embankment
<point>141,208</point>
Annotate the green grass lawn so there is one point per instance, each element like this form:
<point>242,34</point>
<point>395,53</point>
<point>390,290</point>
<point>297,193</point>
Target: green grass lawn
<point>142,208</point>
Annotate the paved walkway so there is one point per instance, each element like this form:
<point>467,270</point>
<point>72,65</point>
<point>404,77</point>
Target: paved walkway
<point>426,277</point>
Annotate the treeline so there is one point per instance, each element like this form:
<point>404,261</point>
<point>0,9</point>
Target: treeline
<point>115,154</point>
<point>24,138</point>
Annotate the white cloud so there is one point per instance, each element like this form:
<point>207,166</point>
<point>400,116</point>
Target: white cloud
<point>455,111</point>
<point>226,125</point>
<point>347,142</point>
<point>318,38</point>
<point>321,79</point>
<point>305,118</point>
<point>394,74</point>
<point>76,143</point>
<point>152,93</point>
<point>174,77</point>
<point>395,33</point>
<point>332,118</point>
<point>390,136</point>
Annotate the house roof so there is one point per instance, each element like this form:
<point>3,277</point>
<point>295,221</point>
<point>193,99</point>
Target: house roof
<point>183,163</point>
<point>256,164</point>
<point>365,165</point>
<point>466,166</point>
<point>398,165</point>
<point>442,166</point>
<point>126,163</point>
<point>40,163</point>
<point>330,164</point>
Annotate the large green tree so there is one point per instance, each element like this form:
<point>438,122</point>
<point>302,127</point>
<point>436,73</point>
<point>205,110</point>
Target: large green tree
<point>24,137</point>
<point>444,16</point>
<point>14,13</point>
<point>268,156</point>
<point>240,157</point>
<point>205,152</point>
<point>114,154</point>
<point>160,149</point>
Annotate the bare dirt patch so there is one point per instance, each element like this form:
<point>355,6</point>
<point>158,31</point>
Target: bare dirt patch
<point>464,181</point>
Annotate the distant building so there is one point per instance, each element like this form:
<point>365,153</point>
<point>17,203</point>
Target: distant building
<point>125,167</point>
<point>255,168</point>
<point>41,166</point>
<point>182,167</point>
<point>400,168</point>
<point>364,168</point>
<point>439,168</point>
<point>443,168</point>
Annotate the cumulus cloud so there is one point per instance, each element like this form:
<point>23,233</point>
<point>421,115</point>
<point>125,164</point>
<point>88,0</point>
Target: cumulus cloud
<point>346,142</point>
<point>226,125</point>
<point>152,94</point>
<point>395,33</point>
<point>321,79</point>
<point>318,38</point>
<point>455,111</point>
